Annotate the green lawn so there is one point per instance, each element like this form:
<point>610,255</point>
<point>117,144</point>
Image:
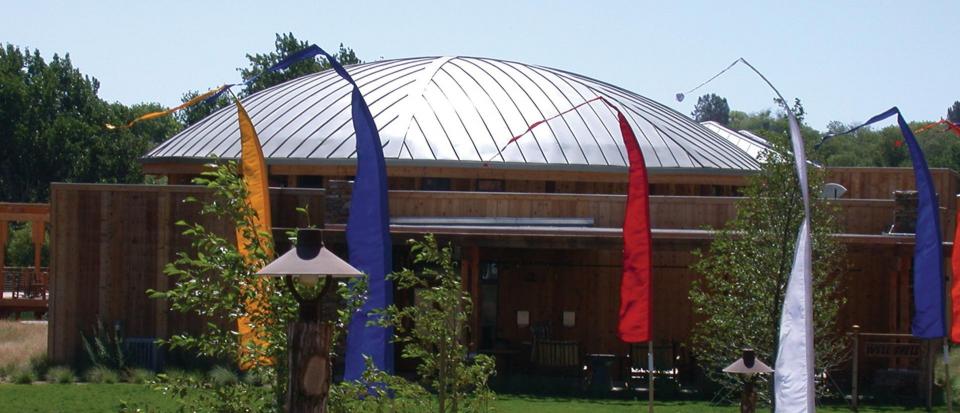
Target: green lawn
<point>107,397</point>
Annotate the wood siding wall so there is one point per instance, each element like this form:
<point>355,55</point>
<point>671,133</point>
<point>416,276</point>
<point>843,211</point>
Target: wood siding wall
<point>111,242</point>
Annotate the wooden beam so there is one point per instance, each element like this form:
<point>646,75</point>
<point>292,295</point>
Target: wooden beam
<point>10,211</point>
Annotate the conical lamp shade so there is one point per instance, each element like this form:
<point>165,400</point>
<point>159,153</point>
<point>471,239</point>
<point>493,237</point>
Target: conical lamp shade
<point>748,364</point>
<point>309,258</point>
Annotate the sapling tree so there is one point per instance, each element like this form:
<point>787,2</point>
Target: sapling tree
<point>744,273</point>
<point>432,330</point>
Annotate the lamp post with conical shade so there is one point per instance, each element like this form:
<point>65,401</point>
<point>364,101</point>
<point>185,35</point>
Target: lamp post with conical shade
<point>309,338</point>
<point>749,366</point>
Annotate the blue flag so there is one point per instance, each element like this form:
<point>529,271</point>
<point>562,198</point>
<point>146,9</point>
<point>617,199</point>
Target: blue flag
<point>368,239</point>
<point>928,285</point>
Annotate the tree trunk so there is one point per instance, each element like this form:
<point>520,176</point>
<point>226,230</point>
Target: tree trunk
<point>308,361</point>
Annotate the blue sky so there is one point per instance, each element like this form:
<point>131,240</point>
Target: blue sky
<point>846,60</point>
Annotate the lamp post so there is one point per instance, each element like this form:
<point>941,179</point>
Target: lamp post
<point>749,367</point>
<point>308,338</point>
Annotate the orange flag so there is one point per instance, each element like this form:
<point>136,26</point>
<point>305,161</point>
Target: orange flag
<point>254,170</point>
<point>191,102</point>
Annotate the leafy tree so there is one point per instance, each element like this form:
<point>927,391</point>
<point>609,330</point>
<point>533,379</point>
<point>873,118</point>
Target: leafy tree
<point>712,107</point>
<point>193,114</point>
<point>52,128</point>
<point>953,112</point>
<point>746,269</point>
<point>433,329</point>
<point>20,246</point>
<point>286,44</point>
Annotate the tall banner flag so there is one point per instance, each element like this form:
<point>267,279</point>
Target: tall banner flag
<point>254,169</point>
<point>635,323</point>
<point>368,239</point>
<point>952,127</point>
<point>955,284</point>
<point>928,286</point>
<point>794,389</point>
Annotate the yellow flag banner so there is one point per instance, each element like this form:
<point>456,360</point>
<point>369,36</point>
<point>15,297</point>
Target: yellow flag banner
<point>254,170</point>
<point>154,115</point>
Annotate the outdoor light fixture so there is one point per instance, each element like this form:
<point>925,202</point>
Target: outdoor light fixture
<point>308,338</point>
<point>749,367</point>
<point>523,318</point>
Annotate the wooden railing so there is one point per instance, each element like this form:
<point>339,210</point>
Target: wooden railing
<point>855,216</point>
<point>24,283</point>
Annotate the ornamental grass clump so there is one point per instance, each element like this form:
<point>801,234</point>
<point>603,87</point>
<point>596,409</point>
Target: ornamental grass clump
<point>101,375</point>
<point>138,376</point>
<point>23,376</point>
<point>61,375</point>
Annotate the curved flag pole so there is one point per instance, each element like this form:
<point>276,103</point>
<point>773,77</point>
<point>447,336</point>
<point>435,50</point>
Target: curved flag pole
<point>368,237</point>
<point>635,316</point>
<point>254,171</point>
<point>952,127</point>
<point>794,389</point>
<point>928,318</point>
<point>928,286</point>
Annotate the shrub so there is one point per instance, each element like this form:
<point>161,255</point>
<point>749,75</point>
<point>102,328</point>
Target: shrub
<point>23,376</point>
<point>101,375</point>
<point>222,376</point>
<point>40,364</point>
<point>60,375</point>
<point>138,376</point>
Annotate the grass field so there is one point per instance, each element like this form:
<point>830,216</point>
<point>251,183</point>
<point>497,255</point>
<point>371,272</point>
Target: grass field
<point>19,342</point>
<point>82,398</point>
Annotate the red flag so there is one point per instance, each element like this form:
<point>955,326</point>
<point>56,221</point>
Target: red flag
<point>635,284</point>
<point>955,285</point>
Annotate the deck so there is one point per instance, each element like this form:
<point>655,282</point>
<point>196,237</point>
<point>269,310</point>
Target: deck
<point>24,290</point>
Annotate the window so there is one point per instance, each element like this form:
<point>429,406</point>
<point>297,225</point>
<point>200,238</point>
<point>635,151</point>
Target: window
<point>490,185</point>
<point>435,184</point>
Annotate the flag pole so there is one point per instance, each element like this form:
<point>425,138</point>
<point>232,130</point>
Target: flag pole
<point>947,385</point>
<point>650,373</point>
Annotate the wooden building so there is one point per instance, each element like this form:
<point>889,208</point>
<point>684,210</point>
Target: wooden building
<point>537,222</point>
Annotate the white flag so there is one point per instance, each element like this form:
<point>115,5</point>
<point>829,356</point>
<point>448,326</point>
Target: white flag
<point>793,375</point>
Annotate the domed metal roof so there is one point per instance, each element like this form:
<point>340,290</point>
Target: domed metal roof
<point>433,110</point>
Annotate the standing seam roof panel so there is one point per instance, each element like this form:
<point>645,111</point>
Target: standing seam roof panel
<point>459,109</point>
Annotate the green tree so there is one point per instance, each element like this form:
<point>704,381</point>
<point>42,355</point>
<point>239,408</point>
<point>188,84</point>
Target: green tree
<point>52,128</point>
<point>712,107</point>
<point>433,329</point>
<point>193,114</point>
<point>286,44</point>
<point>745,271</point>
<point>953,112</point>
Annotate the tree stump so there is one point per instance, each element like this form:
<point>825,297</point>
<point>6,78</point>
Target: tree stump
<point>308,361</point>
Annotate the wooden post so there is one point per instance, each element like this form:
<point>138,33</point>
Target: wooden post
<point>37,232</point>
<point>855,389</point>
<point>308,351</point>
<point>309,365</point>
<point>3,252</point>
<point>650,372</point>
<point>928,369</point>
<point>748,400</point>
